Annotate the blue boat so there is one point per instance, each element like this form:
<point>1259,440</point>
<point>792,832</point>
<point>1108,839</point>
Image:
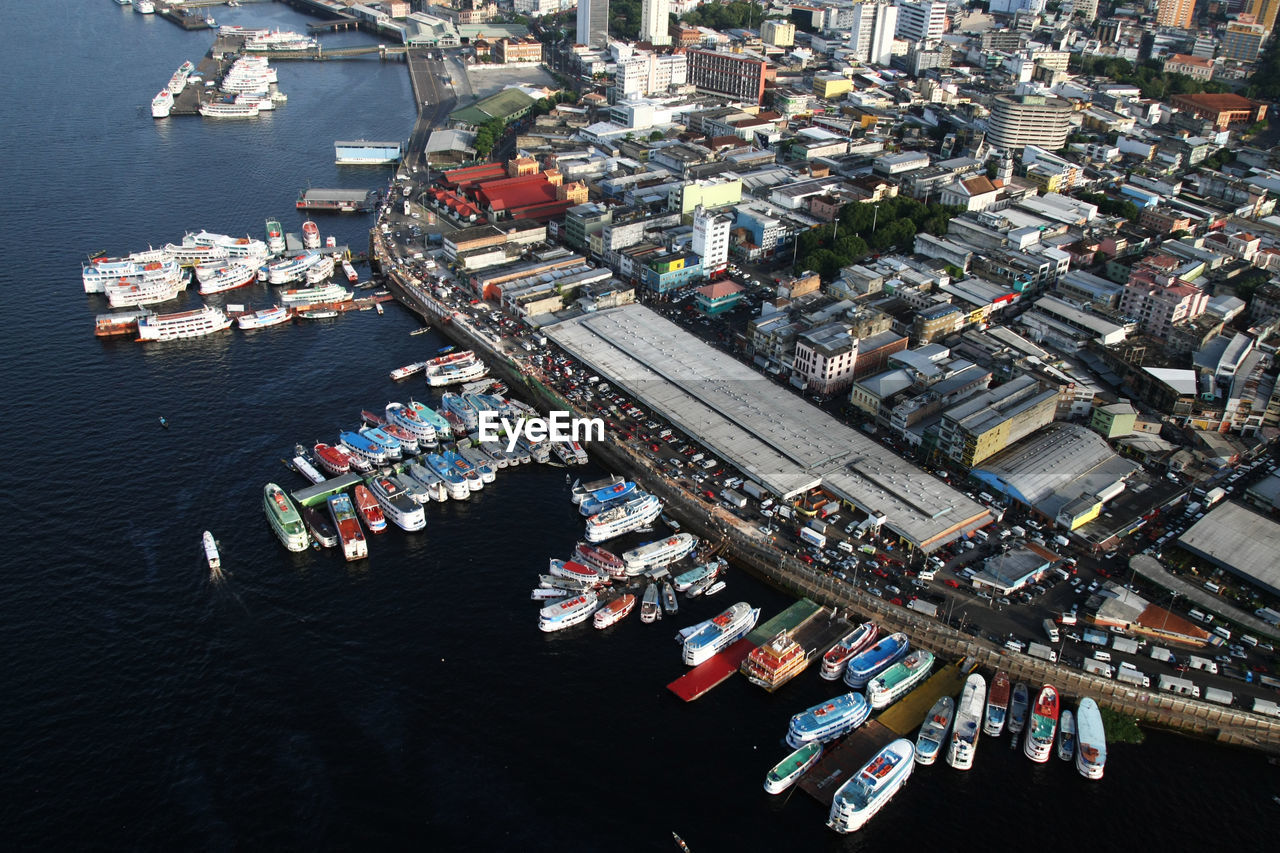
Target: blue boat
<point>875,660</point>
<point>389,444</point>
<point>828,720</point>
<point>612,493</point>
<point>590,506</point>
<point>429,415</point>
<point>363,447</point>
<point>461,407</point>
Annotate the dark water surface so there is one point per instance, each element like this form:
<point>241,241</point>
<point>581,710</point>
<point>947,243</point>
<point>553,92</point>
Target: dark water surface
<point>409,700</point>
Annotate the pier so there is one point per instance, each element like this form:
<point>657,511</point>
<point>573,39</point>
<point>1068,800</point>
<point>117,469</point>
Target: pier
<point>791,618</point>
<point>312,495</point>
<point>711,673</point>
<point>836,766</point>
<point>905,716</point>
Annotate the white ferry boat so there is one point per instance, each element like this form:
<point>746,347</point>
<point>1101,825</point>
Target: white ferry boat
<point>178,81</point>
<point>828,720</point>
<point>720,632</point>
<point>184,324</point>
<point>259,99</point>
<point>791,768</point>
<point>162,104</point>
<point>319,271</point>
<point>277,40</point>
<point>266,317</point>
<point>144,7</point>
<point>284,518</point>
<point>650,609</point>
<point>866,665</point>
<point>402,416</point>
<point>898,680</point>
<point>191,254</point>
<point>287,270</point>
<point>150,292</point>
<point>567,612</point>
<point>135,268</point>
<point>634,514</point>
<point>1042,725</point>
<point>660,552</point>
<point>969,713</point>
<point>315,295</point>
<point>396,504</point>
<point>838,656</point>
<point>859,799</point>
<point>222,109</point>
<point>216,278</point>
<point>615,611</point>
<point>1091,740</point>
<point>455,368</point>
<point>933,731</point>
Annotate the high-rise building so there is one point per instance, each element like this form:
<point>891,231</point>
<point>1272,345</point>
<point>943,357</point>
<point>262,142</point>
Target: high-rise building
<point>1180,13</point>
<point>645,73</point>
<point>593,23</point>
<point>654,21</point>
<point>921,20</point>
<point>1264,13</point>
<point>711,238</point>
<point>732,74</point>
<point>1020,120</point>
<point>871,33</point>
<point>1243,42</point>
<point>778,33</point>
<point>1087,9</point>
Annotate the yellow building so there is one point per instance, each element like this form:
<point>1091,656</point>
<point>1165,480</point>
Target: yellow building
<point>831,85</point>
<point>778,33</point>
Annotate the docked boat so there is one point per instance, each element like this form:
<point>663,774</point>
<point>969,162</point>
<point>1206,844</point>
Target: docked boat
<point>408,419</point>
<point>669,603</point>
<point>613,492</point>
<point>408,441</point>
<point>240,249</point>
<point>720,633</point>
<point>615,611</point>
<point>867,791</point>
<point>479,462</point>
<point>178,81</point>
<point>350,272</point>
<point>899,679</point>
<point>310,235</point>
<point>591,506</point>
<point>396,504</point>
<point>650,609</point>
<point>661,552</point>
<point>322,530</point>
<point>933,731</point>
<point>569,585</point>
<point>390,446</point>
<point>637,512</point>
<point>134,268</point>
<point>335,460</point>
<point>455,368</point>
<point>599,558</point>
<point>184,324</point>
<point>577,572</point>
<point>684,581</point>
<point>290,269</point>
<point>867,665</point>
<point>582,490</point>
<point>567,612</point>
<point>119,322</point>
<point>465,469</point>
<point>838,656</point>
<point>225,276</point>
<point>144,7</point>
<point>275,237</point>
<point>1018,707</point>
<point>321,270</point>
<point>369,509</point>
<point>969,711</point>
<point>772,664</point>
<point>225,109</point>
<point>162,104</point>
<point>211,555</point>
<point>997,705</point>
<point>461,408</point>
<point>1091,740</point>
<point>791,768</point>
<point>715,588</point>
<point>1042,726</point>
<point>454,482</point>
<point>430,416</point>
<point>415,489</point>
<point>284,518</point>
<point>354,546</point>
<point>189,253</point>
<point>130,293</point>
<point>1067,735</point>
<point>828,720</point>
<point>408,370</point>
<point>277,40</point>
<point>303,466</point>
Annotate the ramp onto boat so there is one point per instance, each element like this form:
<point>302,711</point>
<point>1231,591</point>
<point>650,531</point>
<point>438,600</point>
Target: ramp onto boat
<point>791,618</point>
<point>838,764</point>
<point>905,716</point>
<point>320,491</point>
<point>710,673</point>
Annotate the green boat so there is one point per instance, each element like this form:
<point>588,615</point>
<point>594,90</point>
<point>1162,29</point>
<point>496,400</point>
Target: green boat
<point>284,518</point>
<point>791,768</point>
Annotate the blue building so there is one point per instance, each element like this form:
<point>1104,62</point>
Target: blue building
<point>670,271</point>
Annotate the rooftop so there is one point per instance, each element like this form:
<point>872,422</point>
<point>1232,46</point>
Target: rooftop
<point>1239,540</point>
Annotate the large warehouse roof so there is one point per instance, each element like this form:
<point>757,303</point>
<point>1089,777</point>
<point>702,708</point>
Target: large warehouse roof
<point>762,429</point>
<point>1056,465</point>
<point>1240,540</point>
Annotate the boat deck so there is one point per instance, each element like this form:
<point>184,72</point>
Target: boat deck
<point>841,762</point>
<point>710,673</point>
<point>904,716</point>
<point>312,495</point>
<point>815,633</point>
<point>788,620</point>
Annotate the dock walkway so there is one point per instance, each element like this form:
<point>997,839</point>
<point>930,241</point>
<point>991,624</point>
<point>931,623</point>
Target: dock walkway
<point>834,769</point>
<point>905,716</point>
<point>793,617</point>
<point>711,673</point>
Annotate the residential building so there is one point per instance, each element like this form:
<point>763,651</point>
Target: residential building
<point>1087,9</point>
<point>736,75</point>
<point>935,322</point>
<point>593,23</point>
<point>1019,120</point>
<point>1242,42</point>
<point>1264,13</point>
<point>824,359</point>
<point>711,238</point>
<point>778,33</point>
<point>1179,13</point>
<point>655,22</point>
<point>872,30</point>
<point>709,193</point>
<point>1114,421</point>
<point>644,73</point>
<point>987,423</point>
<point>1159,301</point>
<point>918,21</point>
<point>831,85</point>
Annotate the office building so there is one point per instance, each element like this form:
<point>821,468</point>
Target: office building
<point>872,30</point>
<point>711,238</point>
<point>1264,13</point>
<point>736,75</point>
<point>778,33</point>
<point>654,21</point>
<point>1020,120</point>
<point>921,20</point>
<point>1181,13</point>
<point>593,23</point>
<point>1242,42</point>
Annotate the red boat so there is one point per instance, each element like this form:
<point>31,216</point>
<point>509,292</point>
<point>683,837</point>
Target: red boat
<point>451,358</point>
<point>335,460</point>
<point>402,435</point>
<point>601,559</point>
<point>369,510</point>
<point>372,418</point>
<point>615,611</point>
<point>578,572</point>
<point>457,424</point>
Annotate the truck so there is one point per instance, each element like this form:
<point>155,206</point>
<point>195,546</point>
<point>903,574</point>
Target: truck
<point>734,499</point>
<point>755,490</point>
<point>1097,667</point>
<point>1266,706</point>
<point>1214,495</point>
<point>813,537</point>
<point>1098,638</point>
<point>928,608</point>
<point>1181,686</point>
<point>1158,653</point>
<point>1192,508</point>
<point>1205,664</point>
<point>817,525</point>
<point>1222,697</point>
<point>1040,650</point>
<point>830,508</point>
<point>1124,644</point>
<point>1130,675</point>
<point>1051,630</point>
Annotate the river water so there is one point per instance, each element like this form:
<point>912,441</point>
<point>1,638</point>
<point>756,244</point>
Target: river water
<point>408,700</point>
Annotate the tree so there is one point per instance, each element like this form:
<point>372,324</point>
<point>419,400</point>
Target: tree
<point>656,136</point>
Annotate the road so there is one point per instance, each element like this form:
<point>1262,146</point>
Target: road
<point>437,99</point>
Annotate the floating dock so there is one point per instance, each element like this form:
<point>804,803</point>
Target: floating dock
<point>815,633</point>
<point>336,200</point>
<point>788,620</point>
<point>363,152</point>
<point>905,716</point>
<point>710,673</point>
<point>312,495</point>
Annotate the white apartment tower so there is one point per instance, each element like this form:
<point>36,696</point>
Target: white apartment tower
<point>711,238</point>
<point>645,73</point>
<point>922,20</point>
<point>654,21</point>
<point>593,23</point>
<point>871,33</point>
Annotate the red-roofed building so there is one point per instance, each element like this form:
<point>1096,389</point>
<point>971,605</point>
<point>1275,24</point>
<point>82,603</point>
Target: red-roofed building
<point>473,174</point>
<point>1161,624</point>
<point>718,297</point>
<point>1222,109</point>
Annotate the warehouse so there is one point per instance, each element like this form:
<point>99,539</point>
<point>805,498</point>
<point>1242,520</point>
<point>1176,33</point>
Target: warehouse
<point>1239,540</point>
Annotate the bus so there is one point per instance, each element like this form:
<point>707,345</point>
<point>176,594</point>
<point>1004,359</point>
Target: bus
<point>1051,630</point>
